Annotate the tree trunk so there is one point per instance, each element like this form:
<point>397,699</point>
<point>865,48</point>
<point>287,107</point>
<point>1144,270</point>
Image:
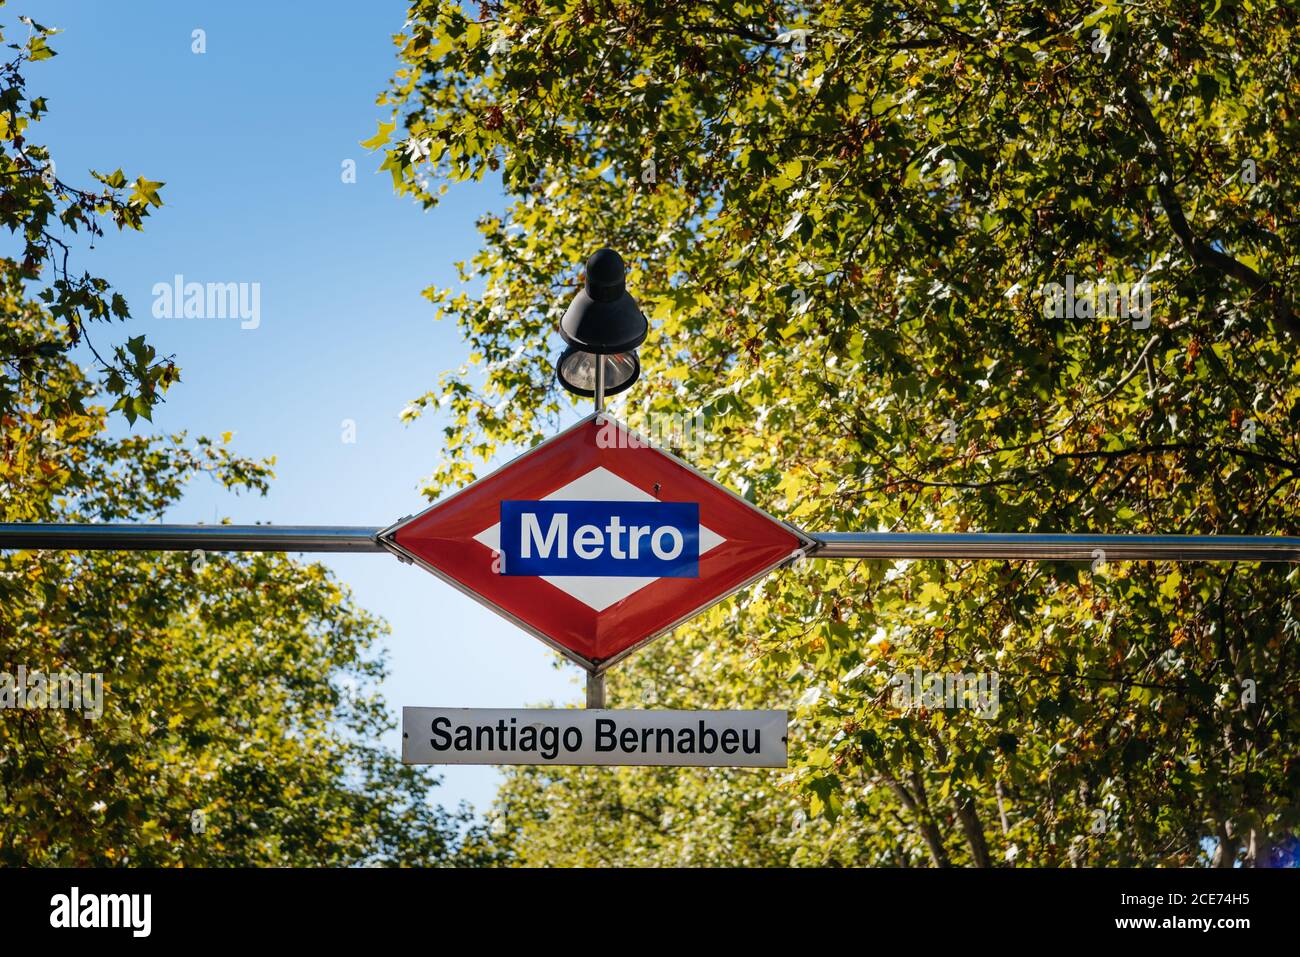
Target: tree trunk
<point>1226,853</point>
<point>1260,851</point>
<point>969,819</point>
<point>917,807</point>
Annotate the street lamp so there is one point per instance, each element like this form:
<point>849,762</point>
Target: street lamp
<point>602,328</point>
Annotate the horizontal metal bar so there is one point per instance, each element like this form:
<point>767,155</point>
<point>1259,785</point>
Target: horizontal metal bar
<point>184,538</point>
<point>1054,547</point>
<point>361,538</point>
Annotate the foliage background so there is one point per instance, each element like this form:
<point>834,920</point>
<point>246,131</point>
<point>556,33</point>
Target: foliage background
<point>839,218</point>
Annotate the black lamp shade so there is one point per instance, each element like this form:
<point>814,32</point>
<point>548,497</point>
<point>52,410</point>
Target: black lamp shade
<point>576,371</point>
<point>603,317</point>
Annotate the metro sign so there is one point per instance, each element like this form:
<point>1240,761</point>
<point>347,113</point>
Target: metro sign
<point>596,542</point>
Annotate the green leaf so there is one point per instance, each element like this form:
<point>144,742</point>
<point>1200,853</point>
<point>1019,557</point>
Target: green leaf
<point>380,138</point>
<point>37,49</point>
<point>145,191</point>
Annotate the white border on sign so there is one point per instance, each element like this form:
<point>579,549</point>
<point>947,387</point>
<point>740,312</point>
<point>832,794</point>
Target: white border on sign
<point>387,539</point>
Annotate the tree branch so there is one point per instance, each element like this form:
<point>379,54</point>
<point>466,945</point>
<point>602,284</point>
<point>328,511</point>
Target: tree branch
<point>1201,252</point>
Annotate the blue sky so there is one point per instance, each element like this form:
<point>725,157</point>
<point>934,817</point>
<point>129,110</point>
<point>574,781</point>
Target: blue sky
<point>250,138</point>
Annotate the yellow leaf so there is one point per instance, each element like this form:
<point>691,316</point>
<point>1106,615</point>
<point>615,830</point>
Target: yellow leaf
<point>932,593</point>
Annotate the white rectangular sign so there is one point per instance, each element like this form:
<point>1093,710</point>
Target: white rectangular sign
<point>739,739</point>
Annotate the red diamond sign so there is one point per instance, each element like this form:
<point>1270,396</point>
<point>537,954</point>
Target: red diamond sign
<point>596,542</point>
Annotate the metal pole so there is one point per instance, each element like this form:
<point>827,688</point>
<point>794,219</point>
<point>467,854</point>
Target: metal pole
<point>600,383</point>
<point>595,690</point>
<point>829,545</point>
<point>184,538</point>
<point>1055,547</point>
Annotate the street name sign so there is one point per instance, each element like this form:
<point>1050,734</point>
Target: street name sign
<point>596,541</point>
<point>736,739</point>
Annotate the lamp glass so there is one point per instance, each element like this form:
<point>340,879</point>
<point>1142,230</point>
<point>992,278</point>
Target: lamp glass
<point>577,371</point>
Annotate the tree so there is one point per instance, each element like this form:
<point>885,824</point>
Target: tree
<point>237,715</point>
<point>871,240</point>
<point>42,210</point>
